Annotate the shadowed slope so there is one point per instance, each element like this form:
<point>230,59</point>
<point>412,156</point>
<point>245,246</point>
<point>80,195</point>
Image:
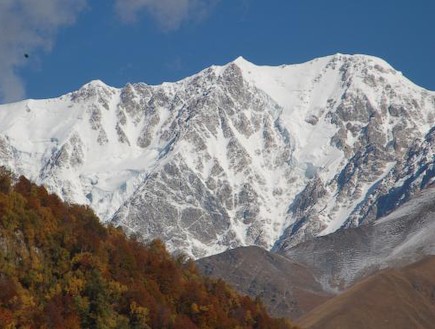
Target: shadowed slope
<point>288,289</point>
<point>403,237</point>
<point>296,283</point>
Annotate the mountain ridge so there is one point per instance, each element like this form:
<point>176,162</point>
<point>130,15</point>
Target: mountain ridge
<point>235,155</point>
<point>326,269</point>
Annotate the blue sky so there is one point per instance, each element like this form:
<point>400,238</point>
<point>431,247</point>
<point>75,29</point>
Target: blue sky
<point>72,42</point>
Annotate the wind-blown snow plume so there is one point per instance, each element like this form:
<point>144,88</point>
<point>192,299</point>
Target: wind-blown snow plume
<point>169,14</point>
<point>25,26</point>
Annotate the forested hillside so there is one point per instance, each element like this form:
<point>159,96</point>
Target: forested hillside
<point>60,268</point>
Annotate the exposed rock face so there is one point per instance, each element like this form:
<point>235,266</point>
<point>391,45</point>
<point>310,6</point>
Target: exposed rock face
<point>235,155</point>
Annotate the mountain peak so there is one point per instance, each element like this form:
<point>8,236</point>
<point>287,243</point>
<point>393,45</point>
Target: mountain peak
<point>92,89</point>
<point>243,64</point>
<point>241,61</point>
<point>364,60</point>
<point>95,84</point>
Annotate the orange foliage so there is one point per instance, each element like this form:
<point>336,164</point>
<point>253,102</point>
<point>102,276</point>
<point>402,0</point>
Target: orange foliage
<point>60,268</point>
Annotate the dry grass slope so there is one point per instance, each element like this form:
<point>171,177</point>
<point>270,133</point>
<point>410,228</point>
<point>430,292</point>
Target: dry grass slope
<point>395,298</point>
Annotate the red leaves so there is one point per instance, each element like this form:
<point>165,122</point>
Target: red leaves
<point>65,270</point>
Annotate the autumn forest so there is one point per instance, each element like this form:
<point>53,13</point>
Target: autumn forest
<point>61,268</point>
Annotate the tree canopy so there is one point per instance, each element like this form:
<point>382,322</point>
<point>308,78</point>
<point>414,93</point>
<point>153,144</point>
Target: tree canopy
<point>61,268</point>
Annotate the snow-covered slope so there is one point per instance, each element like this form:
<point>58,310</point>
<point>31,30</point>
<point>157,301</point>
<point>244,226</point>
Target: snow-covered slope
<point>344,257</point>
<point>235,155</point>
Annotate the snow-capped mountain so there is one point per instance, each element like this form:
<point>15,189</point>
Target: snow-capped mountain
<point>235,155</point>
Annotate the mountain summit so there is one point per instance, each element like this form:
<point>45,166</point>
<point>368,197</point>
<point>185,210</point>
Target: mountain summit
<point>235,155</point>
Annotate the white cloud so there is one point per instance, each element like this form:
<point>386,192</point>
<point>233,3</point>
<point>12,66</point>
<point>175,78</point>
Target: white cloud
<point>26,26</point>
<point>169,14</point>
